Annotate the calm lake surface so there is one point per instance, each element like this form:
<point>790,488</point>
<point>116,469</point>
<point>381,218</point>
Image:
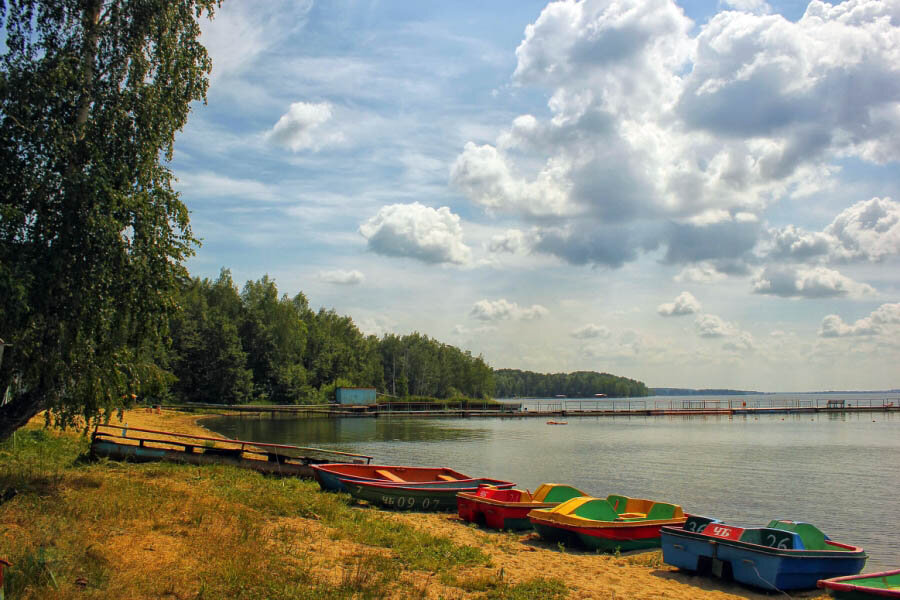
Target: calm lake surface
<point>840,472</point>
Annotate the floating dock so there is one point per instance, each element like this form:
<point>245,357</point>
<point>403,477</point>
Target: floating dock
<point>145,445</point>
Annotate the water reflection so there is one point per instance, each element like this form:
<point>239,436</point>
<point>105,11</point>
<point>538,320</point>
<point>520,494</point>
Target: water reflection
<point>341,433</point>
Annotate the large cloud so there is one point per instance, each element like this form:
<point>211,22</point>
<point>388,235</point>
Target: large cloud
<point>417,231</point>
<point>816,282</point>
<point>868,230</point>
<point>881,320</point>
<point>688,139</point>
<point>502,310</point>
<point>827,82</point>
<point>684,304</point>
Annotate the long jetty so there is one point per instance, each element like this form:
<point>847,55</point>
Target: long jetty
<point>571,407</point>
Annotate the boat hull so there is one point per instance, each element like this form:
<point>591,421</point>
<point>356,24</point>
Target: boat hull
<point>601,539</point>
<point>612,524</point>
<point>507,509</point>
<point>791,567</point>
<point>399,497</point>
<point>134,453</point>
<point>505,515</point>
<point>867,586</point>
<point>329,476</point>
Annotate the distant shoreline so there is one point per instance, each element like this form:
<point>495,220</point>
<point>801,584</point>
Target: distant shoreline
<point>663,391</point>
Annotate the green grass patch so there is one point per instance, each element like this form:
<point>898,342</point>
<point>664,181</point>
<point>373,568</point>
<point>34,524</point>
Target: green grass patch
<point>294,497</point>
<point>79,529</point>
<point>645,559</point>
<point>495,587</point>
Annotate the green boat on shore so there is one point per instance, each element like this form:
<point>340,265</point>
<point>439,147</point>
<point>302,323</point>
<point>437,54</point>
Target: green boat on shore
<point>424,498</point>
<point>865,586</point>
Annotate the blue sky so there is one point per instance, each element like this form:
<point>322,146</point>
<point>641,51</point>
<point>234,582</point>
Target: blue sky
<point>694,194</point>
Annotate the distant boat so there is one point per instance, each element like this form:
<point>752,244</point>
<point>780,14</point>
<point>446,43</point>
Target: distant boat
<point>557,422</point>
<point>599,395</point>
<point>560,396</point>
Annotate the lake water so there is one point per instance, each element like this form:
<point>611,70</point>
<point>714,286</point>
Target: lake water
<point>840,472</point>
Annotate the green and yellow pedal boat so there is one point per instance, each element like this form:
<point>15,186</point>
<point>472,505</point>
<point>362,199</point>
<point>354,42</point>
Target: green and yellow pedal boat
<point>607,524</point>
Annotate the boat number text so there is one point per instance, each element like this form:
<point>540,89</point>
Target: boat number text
<point>408,502</point>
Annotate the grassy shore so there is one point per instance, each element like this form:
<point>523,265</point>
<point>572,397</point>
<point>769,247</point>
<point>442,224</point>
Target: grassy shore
<point>74,528</point>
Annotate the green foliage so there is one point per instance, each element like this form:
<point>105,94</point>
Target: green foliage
<point>252,346</point>
<point>274,337</point>
<point>92,235</point>
<point>208,359</point>
<point>580,384</point>
<point>416,365</point>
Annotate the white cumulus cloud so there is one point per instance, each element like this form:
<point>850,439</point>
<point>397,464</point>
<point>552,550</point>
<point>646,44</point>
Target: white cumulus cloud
<point>303,127</point>
<point>684,304</point>
<point>713,326</point>
<point>512,241</point>
<point>417,231</point>
<point>801,282</point>
<point>700,273</point>
<point>502,310</point>
<point>883,319</point>
<point>868,230</point>
<point>653,122</point>
<point>341,277</point>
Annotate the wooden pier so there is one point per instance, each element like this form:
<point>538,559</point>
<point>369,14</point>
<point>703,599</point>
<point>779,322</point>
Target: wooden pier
<point>121,442</point>
<point>572,407</point>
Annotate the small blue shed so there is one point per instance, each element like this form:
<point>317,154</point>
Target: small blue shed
<point>345,395</point>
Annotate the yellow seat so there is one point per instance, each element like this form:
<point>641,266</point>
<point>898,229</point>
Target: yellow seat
<point>389,475</point>
<point>447,478</point>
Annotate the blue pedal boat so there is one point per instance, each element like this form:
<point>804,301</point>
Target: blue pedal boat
<point>784,555</point>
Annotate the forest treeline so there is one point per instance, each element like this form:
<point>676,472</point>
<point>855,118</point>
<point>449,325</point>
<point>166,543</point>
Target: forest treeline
<point>512,383</point>
<point>252,345</point>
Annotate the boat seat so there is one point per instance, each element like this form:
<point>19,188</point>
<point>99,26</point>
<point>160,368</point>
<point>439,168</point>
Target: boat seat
<point>597,509</point>
<point>558,493</point>
<point>619,503</point>
<point>663,510</point>
<point>810,536</point>
<point>771,537</point>
<point>447,478</point>
<point>390,476</point>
